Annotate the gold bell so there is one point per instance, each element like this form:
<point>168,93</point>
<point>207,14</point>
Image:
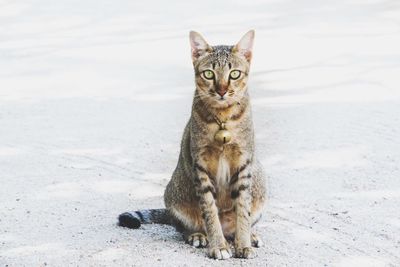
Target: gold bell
<point>223,136</point>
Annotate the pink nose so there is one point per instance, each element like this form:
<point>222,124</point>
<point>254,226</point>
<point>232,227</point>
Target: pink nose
<point>221,91</point>
<point>221,88</point>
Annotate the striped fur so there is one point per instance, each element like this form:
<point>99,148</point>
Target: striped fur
<point>134,219</point>
<point>217,192</point>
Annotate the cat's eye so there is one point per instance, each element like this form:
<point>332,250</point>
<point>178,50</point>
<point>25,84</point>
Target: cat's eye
<point>235,74</point>
<point>208,74</point>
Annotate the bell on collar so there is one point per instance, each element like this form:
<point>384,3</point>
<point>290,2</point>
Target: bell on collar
<point>223,136</point>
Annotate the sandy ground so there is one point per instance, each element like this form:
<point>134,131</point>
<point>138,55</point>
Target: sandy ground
<point>94,96</point>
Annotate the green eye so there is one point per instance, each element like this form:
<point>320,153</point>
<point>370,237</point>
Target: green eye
<point>235,74</point>
<point>208,74</point>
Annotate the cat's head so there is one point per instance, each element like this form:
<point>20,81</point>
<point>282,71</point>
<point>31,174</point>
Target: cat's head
<point>221,71</point>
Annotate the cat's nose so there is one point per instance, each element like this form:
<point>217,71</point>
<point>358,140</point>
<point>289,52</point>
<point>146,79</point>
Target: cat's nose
<point>222,92</point>
<point>221,89</point>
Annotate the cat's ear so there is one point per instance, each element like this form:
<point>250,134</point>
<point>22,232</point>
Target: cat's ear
<point>245,46</point>
<point>198,44</point>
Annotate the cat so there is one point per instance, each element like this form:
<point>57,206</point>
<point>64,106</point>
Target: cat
<point>217,191</point>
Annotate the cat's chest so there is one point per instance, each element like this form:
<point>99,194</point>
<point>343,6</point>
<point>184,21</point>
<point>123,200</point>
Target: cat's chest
<point>222,160</point>
<point>224,163</point>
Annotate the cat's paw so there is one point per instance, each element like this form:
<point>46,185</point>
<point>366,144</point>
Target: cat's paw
<point>220,253</point>
<point>245,253</point>
<point>197,240</point>
<point>256,241</point>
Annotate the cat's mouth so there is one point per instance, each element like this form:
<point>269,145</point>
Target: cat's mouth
<point>222,102</point>
<point>217,101</point>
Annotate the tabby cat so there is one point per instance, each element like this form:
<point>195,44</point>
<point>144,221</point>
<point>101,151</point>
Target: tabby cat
<point>217,190</point>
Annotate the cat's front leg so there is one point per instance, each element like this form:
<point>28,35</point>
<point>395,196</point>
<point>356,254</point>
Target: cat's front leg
<point>241,195</point>
<point>218,247</point>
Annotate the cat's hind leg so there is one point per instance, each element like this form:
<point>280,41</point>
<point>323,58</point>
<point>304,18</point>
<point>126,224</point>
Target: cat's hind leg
<point>187,220</point>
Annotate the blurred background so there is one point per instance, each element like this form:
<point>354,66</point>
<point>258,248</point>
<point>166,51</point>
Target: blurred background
<point>94,96</point>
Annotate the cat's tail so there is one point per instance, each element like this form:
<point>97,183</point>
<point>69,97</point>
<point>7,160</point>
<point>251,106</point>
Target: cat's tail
<point>133,219</point>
